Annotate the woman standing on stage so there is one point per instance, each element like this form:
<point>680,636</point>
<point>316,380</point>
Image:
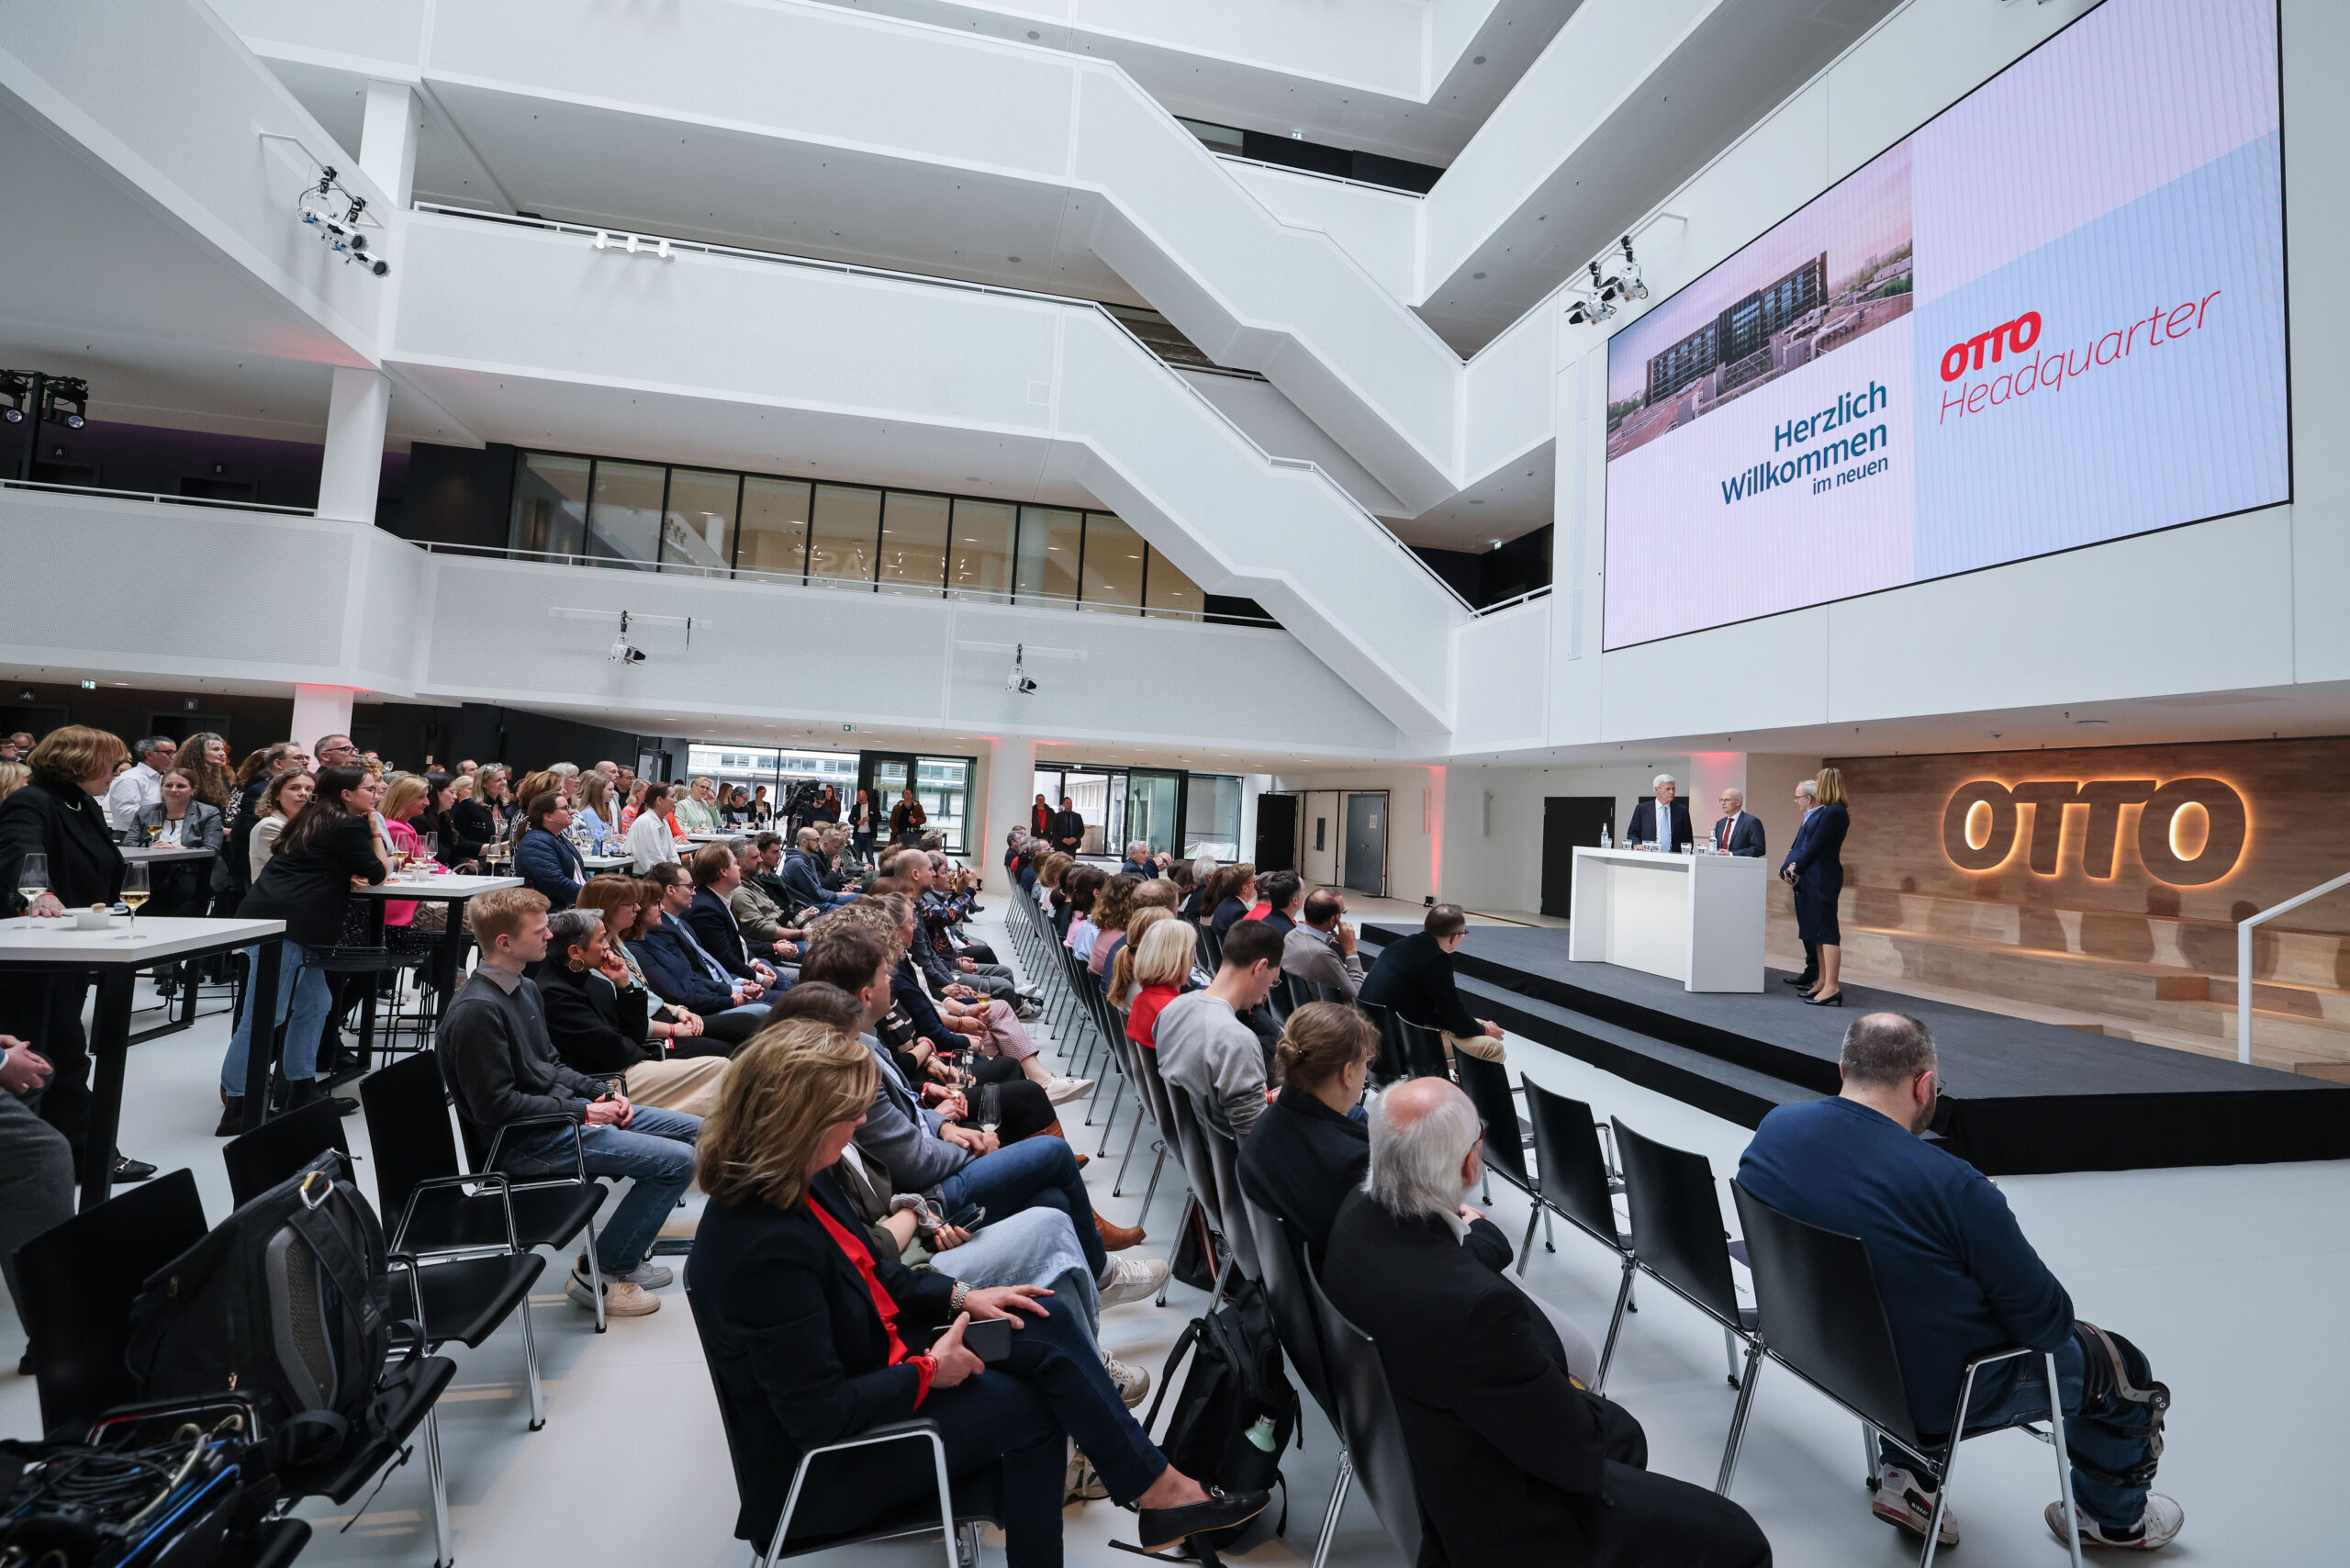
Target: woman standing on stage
<point>1817,873</point>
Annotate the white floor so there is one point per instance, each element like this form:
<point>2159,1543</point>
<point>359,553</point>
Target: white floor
<point>2232,1279</point>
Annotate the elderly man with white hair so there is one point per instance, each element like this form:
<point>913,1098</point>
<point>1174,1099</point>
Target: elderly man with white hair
<point>1654,820</point>
<point>1513,1459</point>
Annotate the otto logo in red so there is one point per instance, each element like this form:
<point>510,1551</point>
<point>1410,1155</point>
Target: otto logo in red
<point>2013,337</point>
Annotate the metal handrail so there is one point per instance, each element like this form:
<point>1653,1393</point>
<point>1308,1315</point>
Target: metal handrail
<point>857,270</point>
<point>1532,593</point>
<point>154,496</point>
<point>2244,959</point>
<point>1317,175</point>
<point>839,585</point>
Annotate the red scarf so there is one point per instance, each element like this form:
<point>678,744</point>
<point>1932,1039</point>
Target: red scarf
<point>854,1246</point>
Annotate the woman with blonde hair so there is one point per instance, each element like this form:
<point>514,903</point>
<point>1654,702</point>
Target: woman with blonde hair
<point>1122,982</point>
<point>1163,956</point>
<point>12,778</point>
<point>810,1337</point>
<point>596,813</point>
<point>282,800</point>
<point>1817,869</point>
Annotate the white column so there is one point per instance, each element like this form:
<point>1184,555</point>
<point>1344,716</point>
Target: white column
<point>387,140</point>
<point>320,710</point>
<point>354,468</point>
<point>1011,782</point>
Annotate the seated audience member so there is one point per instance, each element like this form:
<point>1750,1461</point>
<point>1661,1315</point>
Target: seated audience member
<point>986,1023</point>
<point>1123,986</point>
<point>543,857</point>
<point>178,821</point>
<point>1140,862</point>
<point>1415,978</point>
<point>494,788</point>
<point>599,1020</point>
<point>1281,891</point>
<point>737,811</point>
<point>1112,907</point>
<point>755,903</point>
<point>1511,1461</point>
<point>717,871</point>
<point>698,813</point>
<point>947,964</point>
<point>631,806</point>
<point>1193,877</point>
<point>921,1149</point>
<point>807,1334</point>
<point>670,1030</point>
<point>652,837</point>
<point>596,813</point>
<point>282,800</point>
<point>1322,947</point>
<point>259,770</point>
<point>803,877</point>
<point>1081,885</point>
<point>1312,1145</point>
<point>1057,867</point>
<point>502,1068</point>
<point>1232,893</point>
<point>681,970</point>
<point>439,818</point>
<point>1959,1278</point>
<point>1206,1049</point>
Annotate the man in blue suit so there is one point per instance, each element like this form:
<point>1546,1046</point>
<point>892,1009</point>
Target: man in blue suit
<point>1652,820</point>
<point>1807,802</point>
<point>1738,831</point>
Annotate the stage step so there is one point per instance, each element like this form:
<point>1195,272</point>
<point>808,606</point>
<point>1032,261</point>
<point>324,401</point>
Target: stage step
<point>2298,1022</point>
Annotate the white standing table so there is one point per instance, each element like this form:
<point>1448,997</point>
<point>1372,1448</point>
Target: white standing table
<point>1694,918</point>
<point>607,862</point>
<point>115,954</point>
<point>163,854</point>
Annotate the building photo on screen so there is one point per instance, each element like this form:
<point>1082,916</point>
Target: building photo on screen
<point>2053,316</point>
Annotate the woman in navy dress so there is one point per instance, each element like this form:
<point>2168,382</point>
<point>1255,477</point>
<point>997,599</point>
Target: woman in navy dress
<point>1818,876</point>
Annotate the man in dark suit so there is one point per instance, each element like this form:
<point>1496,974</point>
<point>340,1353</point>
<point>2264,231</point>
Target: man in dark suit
<point>1738,831</point>
<point>1652,820</point>
<point>1067,833</point>
<point>1512,1461</point>
<point>1807,802</point>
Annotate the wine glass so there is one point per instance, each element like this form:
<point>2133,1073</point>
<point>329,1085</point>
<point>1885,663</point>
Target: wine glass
<point>134,891</point>
<point>991,1109</point>
<point>32,879</point>
<point>431,843</point>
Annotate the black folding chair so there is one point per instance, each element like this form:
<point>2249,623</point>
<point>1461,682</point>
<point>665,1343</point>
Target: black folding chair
<point>1571,1179</point>
<point>1507,1135</point>
<point>442,1209</point>
<point>1823,1319</point>
<point>1392,1064</point>
<point>1281,1255</point>
<point>1677,1240</point>
<point>1377,1454</point>
<point>459,1299</point>
<point>1198,1167</point>
<point>1423,1053</point>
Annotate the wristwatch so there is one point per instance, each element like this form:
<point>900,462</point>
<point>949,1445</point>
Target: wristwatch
<point>955,1297</point>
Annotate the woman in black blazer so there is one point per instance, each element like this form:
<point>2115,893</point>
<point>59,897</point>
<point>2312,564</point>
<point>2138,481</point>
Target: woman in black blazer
<point>1818,876</point>
<point>58,816</point>
<point>335,841</point>
<point>812,1338</point>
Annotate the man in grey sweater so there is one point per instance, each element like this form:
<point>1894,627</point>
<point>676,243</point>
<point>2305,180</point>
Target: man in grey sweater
<point>1321,947</point>
<point>502,1066</point>
<point>1205,1049</point>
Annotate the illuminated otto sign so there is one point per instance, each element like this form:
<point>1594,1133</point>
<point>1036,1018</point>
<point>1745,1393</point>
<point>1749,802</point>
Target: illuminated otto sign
<point>2190,831</point>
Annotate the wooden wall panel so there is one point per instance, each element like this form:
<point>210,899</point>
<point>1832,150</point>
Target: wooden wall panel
<point>2296,834</point>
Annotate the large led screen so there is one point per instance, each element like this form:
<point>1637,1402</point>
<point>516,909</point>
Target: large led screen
<point>2052,317</point>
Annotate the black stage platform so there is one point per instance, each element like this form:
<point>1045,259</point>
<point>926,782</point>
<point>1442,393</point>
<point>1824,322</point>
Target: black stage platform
<point>2018,1097</point>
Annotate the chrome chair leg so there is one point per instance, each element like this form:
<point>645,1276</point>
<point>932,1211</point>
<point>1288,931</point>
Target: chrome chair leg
<point>1118,1182</point>
<point>1615,1327</point>
<point>531,1368</point>
<point>1524,1245</point>
<point>2063,1465</point>
<point>444,1554</point>
<point>1737,1421</point>
<point>1337,1505</point>
<point>1729,1349</point>
<point>1155,1165</point>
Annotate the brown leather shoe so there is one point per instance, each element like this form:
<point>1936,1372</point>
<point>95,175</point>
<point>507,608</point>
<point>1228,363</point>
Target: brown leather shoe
<point>1116,1238</point>
<point>1054,1131</point>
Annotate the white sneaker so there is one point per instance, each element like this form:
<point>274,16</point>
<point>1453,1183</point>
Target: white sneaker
<point>1081,1483</point>
<point>1902,1500</point>
<point>1061,1091</point>
<point>2157,1527</point>
<point>1131,1279</point>
<point>621,1299</point>
<point>653,1276</point>
<point>1133,1383</point>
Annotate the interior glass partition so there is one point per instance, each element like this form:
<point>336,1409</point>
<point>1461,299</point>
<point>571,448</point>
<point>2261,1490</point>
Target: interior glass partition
<point>551,503</point>
<point>697,522</point>
<point>1154,809</point>
<point>1211,816</point>
<point>913,544</point>
<point>979,560</point>
<point>1046,565</point>
<point>1112,571</point>
<point>774,533</point>
<point>624,515</point>
<point>843,534</point>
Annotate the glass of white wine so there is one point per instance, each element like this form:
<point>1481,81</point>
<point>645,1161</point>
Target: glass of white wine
<point>32,881</point>
<point>134,892</point>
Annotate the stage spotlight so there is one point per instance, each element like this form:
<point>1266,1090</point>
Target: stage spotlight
<point>15,395</point>
<point>66,401</point>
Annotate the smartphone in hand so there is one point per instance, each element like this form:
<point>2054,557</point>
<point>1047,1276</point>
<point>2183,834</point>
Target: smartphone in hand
<point>989,1339</point>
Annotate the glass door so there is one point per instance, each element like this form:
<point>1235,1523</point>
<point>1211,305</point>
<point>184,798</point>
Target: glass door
<point>886,774</point>
<point>942,784</point>
<point>1154,806</point>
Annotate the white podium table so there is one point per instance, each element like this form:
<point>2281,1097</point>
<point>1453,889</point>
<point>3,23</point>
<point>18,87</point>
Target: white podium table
<point>1694,918</point>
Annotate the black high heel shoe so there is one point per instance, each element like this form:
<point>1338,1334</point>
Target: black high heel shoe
<point>1813,999</point>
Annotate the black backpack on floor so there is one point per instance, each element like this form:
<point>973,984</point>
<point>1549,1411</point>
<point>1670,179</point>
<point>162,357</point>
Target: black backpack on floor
<point>1237,1382</point>
<point>283,1301</point>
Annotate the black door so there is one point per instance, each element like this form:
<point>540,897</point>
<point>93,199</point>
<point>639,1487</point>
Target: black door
<point>1569,820</point>
<point>1366,844</point>
<point>1276,834</point>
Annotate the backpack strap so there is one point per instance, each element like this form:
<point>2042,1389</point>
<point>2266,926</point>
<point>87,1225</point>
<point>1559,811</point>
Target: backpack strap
<point>1167,1375</point>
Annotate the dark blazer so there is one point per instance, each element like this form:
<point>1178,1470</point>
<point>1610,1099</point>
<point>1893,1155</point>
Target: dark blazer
<point>1228,914</point>
<point>804,884</point>
<point>1818,854</point>
<point>475,825</point>
<point>1415,978</point>
<point>548,863</point>
<point>1143,868</point>
<point>1302,1160</point>
<point>676,973</point>
<point>310,889</point>
<point>1748,838</point>
<point>69,827</point>
<point>596,1027</point>
<point>720,933</point>
<point>1508,1455</point>
<point>796,1347</point>
<point>1067,826</point>
<point>1644,828</point>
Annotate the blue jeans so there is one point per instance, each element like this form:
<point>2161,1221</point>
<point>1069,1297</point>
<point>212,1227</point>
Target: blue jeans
<point>1037,1170</point>
<point>657,1148</point>
<point>2101,1443</point>
<point>1035,1247</point>
<point>305,987</point>
<point>1021,1411</point>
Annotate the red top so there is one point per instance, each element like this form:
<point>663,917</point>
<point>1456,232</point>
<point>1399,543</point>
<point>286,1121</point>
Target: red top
<point>1142,1019</point>
<point>852,1244</point>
